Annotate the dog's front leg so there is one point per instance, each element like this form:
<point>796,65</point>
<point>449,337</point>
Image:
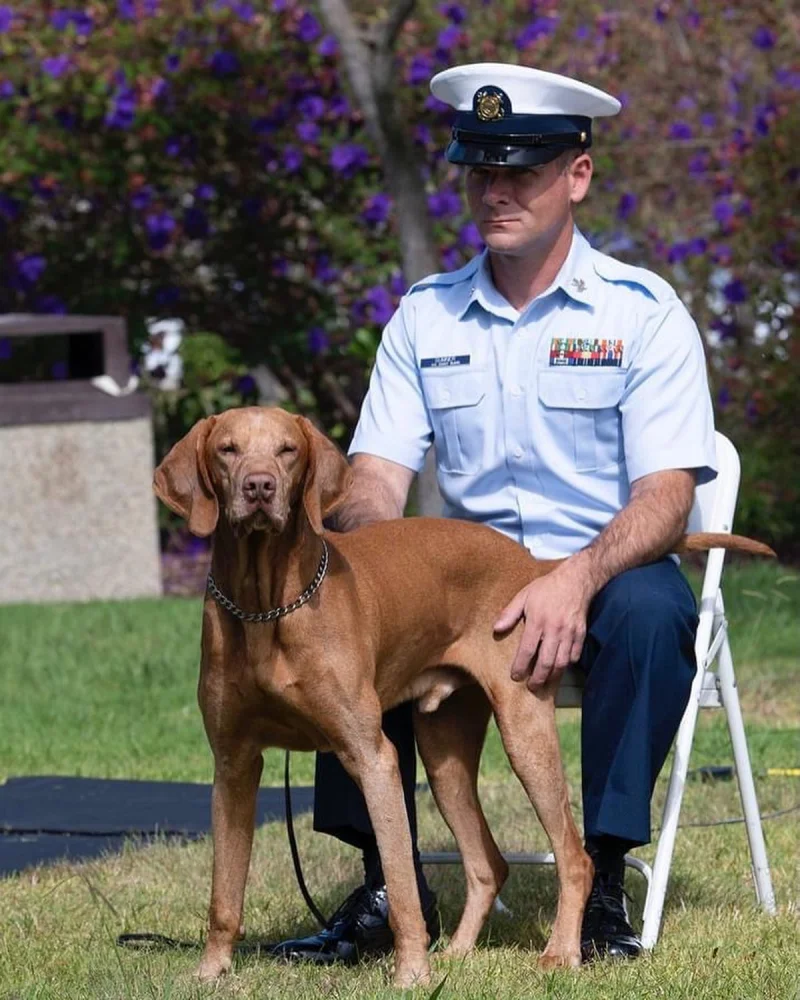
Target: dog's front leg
<point>233,812</point>
<point>371,759</point>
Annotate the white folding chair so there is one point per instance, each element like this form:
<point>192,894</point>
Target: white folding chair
<point>713,510</point>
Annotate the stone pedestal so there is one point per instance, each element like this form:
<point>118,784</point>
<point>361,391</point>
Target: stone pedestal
<point>79,518</point>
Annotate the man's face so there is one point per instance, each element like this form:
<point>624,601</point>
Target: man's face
<point>519,209</point>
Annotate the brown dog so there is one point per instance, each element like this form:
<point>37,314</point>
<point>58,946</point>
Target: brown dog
<point>397,610</point>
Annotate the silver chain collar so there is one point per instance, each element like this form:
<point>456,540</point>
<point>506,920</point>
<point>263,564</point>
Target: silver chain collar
<point>270,616</point>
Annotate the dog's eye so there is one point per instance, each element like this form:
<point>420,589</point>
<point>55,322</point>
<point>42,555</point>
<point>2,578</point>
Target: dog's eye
<point>229,448</point>
<point>288,449</point>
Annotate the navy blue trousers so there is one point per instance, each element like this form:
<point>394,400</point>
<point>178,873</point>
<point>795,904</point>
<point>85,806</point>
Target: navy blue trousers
<point>638,661</point>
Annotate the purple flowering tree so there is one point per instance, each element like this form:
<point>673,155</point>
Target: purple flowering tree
<point>272,171</point>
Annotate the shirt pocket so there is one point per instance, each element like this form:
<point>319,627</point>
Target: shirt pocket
<point>589,402</point>
<point>454,400</point>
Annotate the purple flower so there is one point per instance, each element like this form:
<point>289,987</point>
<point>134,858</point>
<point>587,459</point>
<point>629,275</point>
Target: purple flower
<point>308,131</point>
<point>123,112</point>
<point>31,268</point>
<point>142,198</point>
<point>447,39</point>
<point>195,223</point>
<point>9,207</point>
<point>279,5</point>
<point>723,211</point>
<point>677,252</point>
<point>444,203</point>
<point>167,295</point>
<point>698,164</point>
<point>5,348</point>
<point>292,159</point>
<point>62,19</point>
<point>7,89</point>
<point>225,64</point>
<point>246,385</point>
<point>323,270</point>
<point>540,27</point>
<point>308,28</point>
<point>339,106</point>
<point>722,253</point>
<point>697,247</point>
<point>724,397</point>
<point>380,305</point>
<point>205,192</point>
<point>348,158</point>
<point>453,12</point>
<point>686,103</point>
<point>708,120</point>
<point>419,70</point>
<point>680,130</point>
<point>50,304</point>
<point>450,258</point>
<point>126,9</point>
<point>311,107</point>
<point>434,104</point>
<point>172,63</point>
<point>692,20</point>
<point>377,209</point>
<point>397,284</point>
<point>735,291</point>
<point>626,205</point>
<point>470,236</point>
<point>726,327</point>
<point>763,38</point>
<point>160,227</point>
<point>765,118</point>
<point>328,47</point>
<point>55,66</point>
<point>661,12</point>
<point>6,17</point>
<point>788,78</point>
<point>318,340</point>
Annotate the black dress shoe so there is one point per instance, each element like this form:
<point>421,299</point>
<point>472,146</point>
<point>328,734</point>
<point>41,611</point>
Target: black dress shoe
<point>360,927</point>
<point>606,931</point>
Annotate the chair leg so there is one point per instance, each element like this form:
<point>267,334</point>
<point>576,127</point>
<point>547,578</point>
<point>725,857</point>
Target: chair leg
<point>657,888</point>
<point>744,775</point>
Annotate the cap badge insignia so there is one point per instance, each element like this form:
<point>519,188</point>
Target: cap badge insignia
<point>579,284</point>
<point>488,106</point>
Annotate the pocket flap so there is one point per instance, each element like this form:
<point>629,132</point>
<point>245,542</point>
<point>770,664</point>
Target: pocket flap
<point>454,389</point>
<point>590,390</point>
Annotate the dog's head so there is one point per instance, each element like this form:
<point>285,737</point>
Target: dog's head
<point>253,465</point>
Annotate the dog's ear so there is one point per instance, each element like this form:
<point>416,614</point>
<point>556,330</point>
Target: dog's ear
<point>328,476</point>
<point>182,481</point>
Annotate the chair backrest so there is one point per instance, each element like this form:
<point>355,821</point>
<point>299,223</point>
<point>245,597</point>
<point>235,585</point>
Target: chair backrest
<point>715,502</point>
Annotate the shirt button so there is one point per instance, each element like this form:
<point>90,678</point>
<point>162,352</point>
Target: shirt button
<point>516,390</point>
<point>581,394</point>
<point>445,394</point>
<point>518,453</point>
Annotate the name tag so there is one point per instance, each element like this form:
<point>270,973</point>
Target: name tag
<point>577,352</point>
<point>450,361</point>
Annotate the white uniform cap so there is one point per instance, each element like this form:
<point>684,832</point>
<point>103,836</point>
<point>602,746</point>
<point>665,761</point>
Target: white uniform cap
<point>510,115</point>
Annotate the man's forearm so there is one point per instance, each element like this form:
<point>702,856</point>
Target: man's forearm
<point>652,521</point>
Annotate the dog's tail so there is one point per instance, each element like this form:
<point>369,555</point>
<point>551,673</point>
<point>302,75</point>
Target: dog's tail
<point>701,541</point>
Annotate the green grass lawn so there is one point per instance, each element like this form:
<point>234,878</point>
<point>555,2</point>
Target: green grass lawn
<point>108,690</point>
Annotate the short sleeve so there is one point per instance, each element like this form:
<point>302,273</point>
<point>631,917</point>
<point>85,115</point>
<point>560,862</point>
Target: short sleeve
<point>394,421</point>
<point>667,417</point>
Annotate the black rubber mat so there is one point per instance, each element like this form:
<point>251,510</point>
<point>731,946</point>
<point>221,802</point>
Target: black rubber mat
<point>46,818</point>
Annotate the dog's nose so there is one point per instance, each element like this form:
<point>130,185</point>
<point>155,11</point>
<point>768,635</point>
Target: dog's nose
<point>259,486</point>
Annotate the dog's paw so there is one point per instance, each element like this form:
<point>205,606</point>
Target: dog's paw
<point>559,960</point>
<point>411,974</point>
<point>211,967</point>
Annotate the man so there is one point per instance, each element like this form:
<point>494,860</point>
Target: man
<point>498,364</point>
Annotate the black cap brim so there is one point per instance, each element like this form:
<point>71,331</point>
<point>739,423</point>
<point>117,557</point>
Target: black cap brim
<point>494,154</point>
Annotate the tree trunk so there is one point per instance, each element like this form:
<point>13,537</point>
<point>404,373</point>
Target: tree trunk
<point>371,71</point>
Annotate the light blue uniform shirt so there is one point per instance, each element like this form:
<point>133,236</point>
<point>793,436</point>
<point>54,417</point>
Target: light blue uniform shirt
<point>541,419</point>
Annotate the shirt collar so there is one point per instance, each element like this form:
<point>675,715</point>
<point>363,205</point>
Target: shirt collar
<point>576,279</point>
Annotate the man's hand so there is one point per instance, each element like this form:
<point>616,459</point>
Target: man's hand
<point>555,608</point>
